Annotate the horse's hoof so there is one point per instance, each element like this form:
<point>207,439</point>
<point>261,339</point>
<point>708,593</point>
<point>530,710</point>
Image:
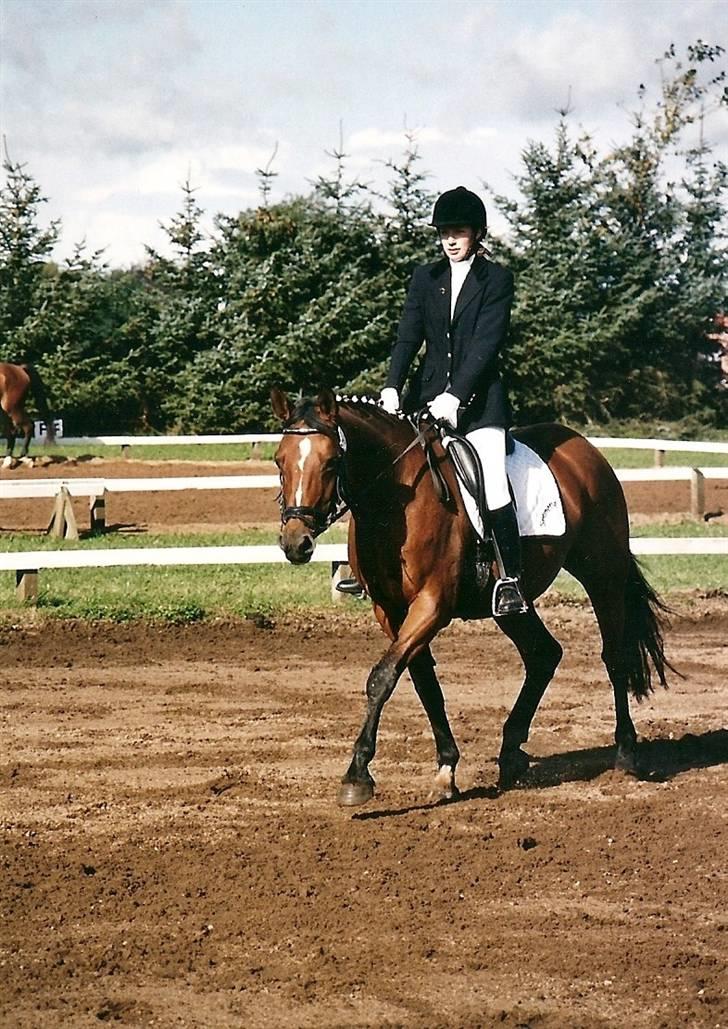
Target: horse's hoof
<point>9,462</point>
<point>351,794</point>
<point>440,796</point>
<point>626,761</point>
<point>513,765</point>
<point>444,788</point>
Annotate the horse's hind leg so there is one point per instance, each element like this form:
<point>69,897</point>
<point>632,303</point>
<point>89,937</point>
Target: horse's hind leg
<point>18,424</point>
<point>427,686</point>
<point>8,430</point>
<point>541,654</point>
<point>607,593</point>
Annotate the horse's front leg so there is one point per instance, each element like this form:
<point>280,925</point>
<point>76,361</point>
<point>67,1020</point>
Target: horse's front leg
<point>417,630</point>
<point>427,686</point>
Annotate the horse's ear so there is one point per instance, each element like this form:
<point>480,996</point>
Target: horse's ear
<point>281,404</point>
<point>327,405</point>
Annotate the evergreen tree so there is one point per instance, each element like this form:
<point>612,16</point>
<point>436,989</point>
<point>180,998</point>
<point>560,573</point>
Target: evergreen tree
<point>178,310</point>
<point>25,249</point>
<point>619,272</point>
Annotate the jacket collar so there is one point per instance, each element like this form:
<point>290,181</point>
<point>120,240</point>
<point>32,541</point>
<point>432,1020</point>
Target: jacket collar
<point>473,285</point>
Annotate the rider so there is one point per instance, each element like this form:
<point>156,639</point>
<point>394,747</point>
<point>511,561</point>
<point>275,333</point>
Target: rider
<point>460,307</point>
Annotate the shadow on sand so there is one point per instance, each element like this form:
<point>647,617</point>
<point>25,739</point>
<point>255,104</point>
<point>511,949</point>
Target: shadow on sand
<point>658,761</point>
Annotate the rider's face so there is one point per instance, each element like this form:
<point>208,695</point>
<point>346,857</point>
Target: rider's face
<point>457,241</point>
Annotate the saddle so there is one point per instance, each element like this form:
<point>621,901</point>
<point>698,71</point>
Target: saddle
<point>470,473</point>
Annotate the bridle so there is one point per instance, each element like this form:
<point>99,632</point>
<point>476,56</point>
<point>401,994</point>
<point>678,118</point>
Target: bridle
<point>314,518</point>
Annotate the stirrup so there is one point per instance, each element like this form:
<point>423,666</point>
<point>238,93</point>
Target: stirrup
<point>352,587</point>
<point>508,598</point>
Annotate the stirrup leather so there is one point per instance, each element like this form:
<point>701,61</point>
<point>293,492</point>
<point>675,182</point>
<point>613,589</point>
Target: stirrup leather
<point>508,597</point>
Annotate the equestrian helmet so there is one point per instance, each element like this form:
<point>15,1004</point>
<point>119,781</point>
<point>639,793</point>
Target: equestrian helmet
<point>459,206</point>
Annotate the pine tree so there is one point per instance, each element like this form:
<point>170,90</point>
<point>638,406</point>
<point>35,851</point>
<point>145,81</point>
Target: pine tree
<point>25,249</point>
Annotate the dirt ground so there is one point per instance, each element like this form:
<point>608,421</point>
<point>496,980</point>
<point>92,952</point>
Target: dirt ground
<point>204,509</point>
<point>172,853</point>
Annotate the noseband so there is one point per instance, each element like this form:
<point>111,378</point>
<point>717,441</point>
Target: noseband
<point>313,518</point>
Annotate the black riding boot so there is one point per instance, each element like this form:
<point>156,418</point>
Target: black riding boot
<point>508,596</point>
<point>352,587</point>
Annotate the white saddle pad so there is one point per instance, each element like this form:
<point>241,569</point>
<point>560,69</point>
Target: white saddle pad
<point>538,502</point>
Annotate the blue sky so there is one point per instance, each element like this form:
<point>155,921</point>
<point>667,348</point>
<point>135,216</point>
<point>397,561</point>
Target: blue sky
<point>113,103</point>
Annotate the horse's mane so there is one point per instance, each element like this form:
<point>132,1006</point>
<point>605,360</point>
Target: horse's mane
<point>366,407</point>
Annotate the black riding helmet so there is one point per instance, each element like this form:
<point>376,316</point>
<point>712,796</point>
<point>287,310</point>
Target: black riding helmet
<point>459,206</point>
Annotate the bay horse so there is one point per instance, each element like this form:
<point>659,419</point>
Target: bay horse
<point>414,553</point>
<point>17,381</point>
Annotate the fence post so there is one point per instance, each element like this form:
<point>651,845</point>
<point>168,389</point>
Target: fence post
<point>97,512</point>
<point>659,459</point>
<point>697,494</point>
<point>26,584</point>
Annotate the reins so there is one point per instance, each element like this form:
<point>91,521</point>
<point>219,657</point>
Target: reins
<point>320,521</point>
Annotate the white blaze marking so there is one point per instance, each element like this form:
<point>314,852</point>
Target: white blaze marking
<point>303,452</point>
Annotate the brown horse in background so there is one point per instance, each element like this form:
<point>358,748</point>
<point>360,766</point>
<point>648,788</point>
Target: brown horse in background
<point>16,382</point>
<point>415,555</point>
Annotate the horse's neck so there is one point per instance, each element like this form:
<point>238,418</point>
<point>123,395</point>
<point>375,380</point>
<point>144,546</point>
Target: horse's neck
<point>373,442</point>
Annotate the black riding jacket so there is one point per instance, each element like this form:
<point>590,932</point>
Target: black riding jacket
<point>460,355</point>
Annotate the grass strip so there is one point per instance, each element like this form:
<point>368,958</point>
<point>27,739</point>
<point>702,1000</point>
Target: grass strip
<point>186,594</point>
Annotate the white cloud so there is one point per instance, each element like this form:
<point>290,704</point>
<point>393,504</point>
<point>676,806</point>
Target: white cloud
<point>375,139</point>
<point>113,106</point>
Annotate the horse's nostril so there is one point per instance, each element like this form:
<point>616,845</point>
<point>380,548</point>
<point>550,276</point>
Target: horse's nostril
<point>306,545</point>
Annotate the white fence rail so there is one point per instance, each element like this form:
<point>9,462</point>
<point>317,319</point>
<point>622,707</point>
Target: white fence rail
<point>78,487</point>
<point>97,488</point>
<point>95,557</point>
<point>692,446</point>
<point>170,441</point>
<point>659,446</point>
<point>27,564</point>
<point>16,489</point>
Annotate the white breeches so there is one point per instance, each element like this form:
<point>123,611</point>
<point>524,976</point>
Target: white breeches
<point>490,444</point>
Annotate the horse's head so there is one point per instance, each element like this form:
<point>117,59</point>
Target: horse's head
<point>309,460</point>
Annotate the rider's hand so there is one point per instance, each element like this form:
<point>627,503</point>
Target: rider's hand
<point>445,408</point>
<point>389,399</point>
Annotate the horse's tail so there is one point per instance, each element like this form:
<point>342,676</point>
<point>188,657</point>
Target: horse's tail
<point>41,398</point>
<point>645,623</point>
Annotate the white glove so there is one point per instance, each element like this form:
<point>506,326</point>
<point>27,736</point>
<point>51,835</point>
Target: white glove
<point>445,408</point>
<point>389,399</point>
